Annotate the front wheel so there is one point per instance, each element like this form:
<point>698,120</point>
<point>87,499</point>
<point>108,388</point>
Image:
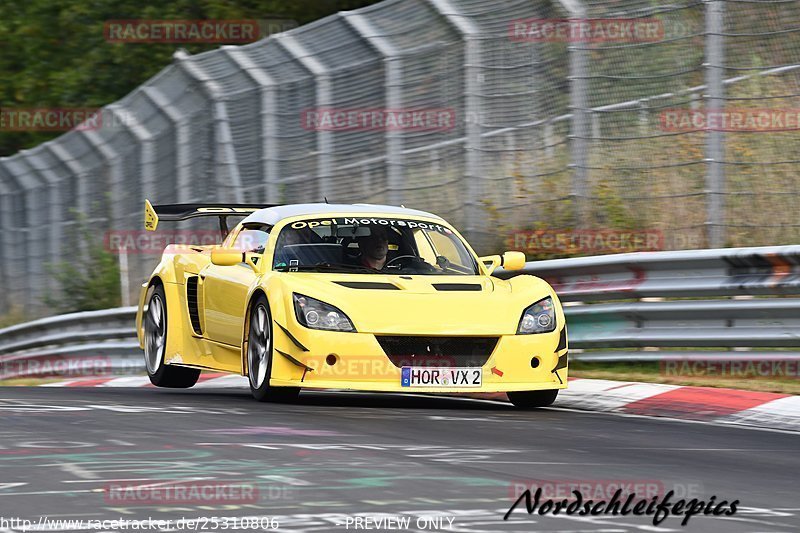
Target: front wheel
<point>259,356</point>
<point>532,399</point>
<point>155,346</point>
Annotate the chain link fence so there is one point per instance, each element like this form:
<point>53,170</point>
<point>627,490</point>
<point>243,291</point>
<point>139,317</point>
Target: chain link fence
<point>572,115</point>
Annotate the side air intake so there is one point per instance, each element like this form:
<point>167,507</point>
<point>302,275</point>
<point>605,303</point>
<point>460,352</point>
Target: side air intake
<point>194,297</point>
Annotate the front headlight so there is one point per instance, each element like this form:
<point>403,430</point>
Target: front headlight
<point>318,315</point>
<point>538,318</point>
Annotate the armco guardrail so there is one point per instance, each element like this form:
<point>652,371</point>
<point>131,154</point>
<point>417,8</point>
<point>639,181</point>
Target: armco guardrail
<point>687,323</point>
<point>91,342</point>
<point>761,271</point>
<point>762,313</point>
<point>760,316</point>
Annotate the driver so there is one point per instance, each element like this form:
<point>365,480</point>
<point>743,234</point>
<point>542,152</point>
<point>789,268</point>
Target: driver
<point>374,248</point>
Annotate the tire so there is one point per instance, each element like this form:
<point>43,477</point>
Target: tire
<point>259,356</point>
<point>532,399</point>
<point>155,346</point>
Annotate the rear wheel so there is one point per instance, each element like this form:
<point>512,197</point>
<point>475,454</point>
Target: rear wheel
<point>155,346</point>
<point>259,356</point>
<point>532,399</point>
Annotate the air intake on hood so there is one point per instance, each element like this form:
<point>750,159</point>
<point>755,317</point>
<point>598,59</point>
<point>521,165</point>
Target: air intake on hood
<point>457,287</point>
<point>368,285</point>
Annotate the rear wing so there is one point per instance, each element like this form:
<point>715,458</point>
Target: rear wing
<point>153,214</point>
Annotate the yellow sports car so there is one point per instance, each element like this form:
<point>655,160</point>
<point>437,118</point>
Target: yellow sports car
<point>364,297</point>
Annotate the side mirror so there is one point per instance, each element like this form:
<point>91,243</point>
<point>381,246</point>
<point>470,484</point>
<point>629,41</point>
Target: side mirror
<point>513,261</point>
<point>509,261</point>
<point>226,256</point>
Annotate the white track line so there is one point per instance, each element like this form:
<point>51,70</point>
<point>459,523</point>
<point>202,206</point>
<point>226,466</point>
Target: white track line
<point>131,381</point>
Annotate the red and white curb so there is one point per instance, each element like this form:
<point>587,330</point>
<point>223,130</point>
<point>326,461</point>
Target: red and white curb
<point>206,381</point>
<point>706,404</point>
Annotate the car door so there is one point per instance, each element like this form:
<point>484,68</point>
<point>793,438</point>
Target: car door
<point>225,289</point>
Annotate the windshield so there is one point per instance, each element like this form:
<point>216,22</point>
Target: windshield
<point>371,246</point>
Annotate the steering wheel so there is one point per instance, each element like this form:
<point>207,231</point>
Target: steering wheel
<point>398,258</point>
<point>409,260</point>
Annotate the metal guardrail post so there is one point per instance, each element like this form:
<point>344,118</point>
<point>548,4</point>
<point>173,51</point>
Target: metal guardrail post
<point>269,121</point>
<point>111,157</point>
<point>475,174</point>
<point>30,187</point>
<point>78,171</point>
<point>144,137</point>
<point>146,175</point>
<point>323,99</point>
<point>11,240</point>
<point>76,168</point>
<point>183,181</point>
<point>393,99</point>
<point>37,236</point>
<point>224,153</point>
<point>5,229</point>
<point>715,139</point>
<point>115,178</point>
<point>580,130</point>
<point>56,206</point>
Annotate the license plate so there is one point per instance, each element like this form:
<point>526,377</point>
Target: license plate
<point>441,377</point>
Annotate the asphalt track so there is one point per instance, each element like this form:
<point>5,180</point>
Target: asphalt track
<point>320,463</point>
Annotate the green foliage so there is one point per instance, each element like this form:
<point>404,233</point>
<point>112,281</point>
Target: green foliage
<point>88,280</point>
<point>54,54</point>
<point>14,316</point>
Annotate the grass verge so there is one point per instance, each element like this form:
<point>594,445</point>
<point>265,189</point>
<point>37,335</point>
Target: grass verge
<point>653,372</point>
<point>28,382</point>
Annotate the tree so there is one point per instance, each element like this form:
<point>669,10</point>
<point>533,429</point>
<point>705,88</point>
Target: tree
<point>54,53</point>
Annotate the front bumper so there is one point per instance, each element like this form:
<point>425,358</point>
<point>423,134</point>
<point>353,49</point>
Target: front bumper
<point>334,360</point>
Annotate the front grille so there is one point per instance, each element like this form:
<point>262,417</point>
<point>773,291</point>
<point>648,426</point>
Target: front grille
<point>437,351</point>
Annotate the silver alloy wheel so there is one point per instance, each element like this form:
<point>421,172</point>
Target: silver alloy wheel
<point>258,346</point>
<point>154,334</point>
